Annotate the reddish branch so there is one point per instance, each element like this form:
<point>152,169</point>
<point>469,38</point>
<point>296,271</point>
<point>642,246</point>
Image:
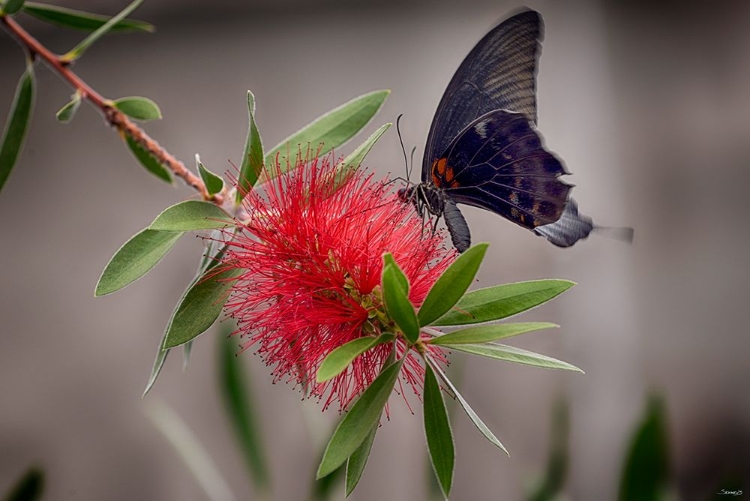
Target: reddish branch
<point>114,116</point>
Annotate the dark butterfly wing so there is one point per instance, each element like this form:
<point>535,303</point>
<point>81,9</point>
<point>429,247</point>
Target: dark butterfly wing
<point>499,163</point>
<point>570,228</point>
<point>499,73</point>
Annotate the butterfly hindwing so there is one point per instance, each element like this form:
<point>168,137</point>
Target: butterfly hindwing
<point>498,163</point>
<point>499,73</point>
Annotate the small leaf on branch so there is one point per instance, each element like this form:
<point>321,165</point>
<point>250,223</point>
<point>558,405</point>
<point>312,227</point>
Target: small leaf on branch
<point>138,108</point>
<point>148,161</point>
<point>17,124</point>
<point>489,333</point>
<point>136,257</point>
<point>469,411</point>
<point>452,284</point>
<point>437,429</point>
<point>339,359</point>
<point>502,301</point>
<point>359,421</point>
<point>352,162</point>
<point>402,280</point>
<point>214,184</point>
<point>87,42</point>
<point>11,6</point>
<point>516,355</point>
<point>356,463</point>
<point>331,130</point>
<point>199,307</point>
<point>191,215</point>
<point>68,111</point>
<point>252,155</point>
<point>397,303</point>
<point>79,20</point>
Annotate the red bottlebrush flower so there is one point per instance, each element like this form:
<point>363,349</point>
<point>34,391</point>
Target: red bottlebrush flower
<point>312,264</point>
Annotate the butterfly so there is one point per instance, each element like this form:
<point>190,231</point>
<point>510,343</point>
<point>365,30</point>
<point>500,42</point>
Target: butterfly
<point>483,148</point>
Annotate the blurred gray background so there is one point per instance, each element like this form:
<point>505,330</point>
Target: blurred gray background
<point>648,104</point>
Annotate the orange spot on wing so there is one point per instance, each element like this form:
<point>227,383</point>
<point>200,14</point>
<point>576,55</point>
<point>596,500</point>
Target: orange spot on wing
<point>449,174</point>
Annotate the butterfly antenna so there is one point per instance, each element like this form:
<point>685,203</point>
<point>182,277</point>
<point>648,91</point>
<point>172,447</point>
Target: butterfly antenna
<point>411,163</point>
<point>403,149</point>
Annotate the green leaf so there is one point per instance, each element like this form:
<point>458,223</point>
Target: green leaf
<point>346,169</point>
<point>550,487</point>
<point>502,301</point>
<point>402,280</point>
<point>469,411</point>
<point>451,285</point>
<point>214,184</point>
<point>209,260</point>
<point>359,421</point>
<point>200,307</point>
<point>339,359</point>
<point>29,487</point>
<point>488,333</point>
<point>331,130</point>
<point>252,155</point>
<point>646,472</point>
<point>11,6</point>
<point>67,112</point>
<point>355,466</point>
<point>136,257</point>
<point>242,410</point>
<point>437,429</point>
<point>138,108</point>
<point>17,124</point>
<point>397,304</point>
<point>148,161</point>
<point>79,20</point>
<point>189,448</point>
<point>87,42</point>
<point>516,355</point>
<point>191,215</point>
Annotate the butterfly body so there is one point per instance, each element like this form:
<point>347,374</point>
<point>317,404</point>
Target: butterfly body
<point>484,150</point>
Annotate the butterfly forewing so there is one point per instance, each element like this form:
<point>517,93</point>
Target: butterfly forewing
<point>499,73</point>
<point>498,163</point>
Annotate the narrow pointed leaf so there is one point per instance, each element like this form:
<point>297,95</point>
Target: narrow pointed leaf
<point>646,472</point>
<point>252,155</point>
<point>346,169</point>
<point>397,304</point>
<point>79,49</point>
<point>502,301</point>
<point>359,421</point>
<point>339,359</point>
<point>355,466</point>
<point>79,20</point>
<point>190,450</point>
<point>402,280</point>
<point>29,487</point>
<point>242,410</point>
<point>187,350</point>
<point>138,108</point>
<point>214,251</point>
<point>200,307</point>
<point>469,411</point>
<point>489,333</point>
<point>148,161</point>
<point>516,355</point>
<point>134,259</point>
<point>214,184</point>
<point>191,215</point>
<point>437,429</point>
<point>452,284</point>
<point>68,111</point>
<point>17,124</point>
<point>11,6</point>
<point>331,130</point>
